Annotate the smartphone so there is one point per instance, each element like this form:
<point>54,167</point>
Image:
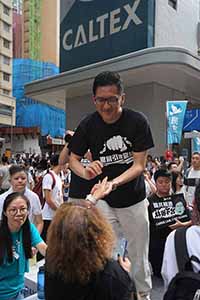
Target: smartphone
<point>120,249</point>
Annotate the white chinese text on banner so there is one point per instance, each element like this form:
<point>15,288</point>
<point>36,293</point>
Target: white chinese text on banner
<point>175,117</point>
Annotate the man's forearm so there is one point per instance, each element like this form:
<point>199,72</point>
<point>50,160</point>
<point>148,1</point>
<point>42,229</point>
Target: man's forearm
<point>76,166</point>
<point>130,174</point>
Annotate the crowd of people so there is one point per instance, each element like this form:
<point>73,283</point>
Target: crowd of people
<point>74,206</point>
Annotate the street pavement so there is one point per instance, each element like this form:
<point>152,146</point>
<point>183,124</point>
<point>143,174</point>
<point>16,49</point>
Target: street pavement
<point>158,289</point>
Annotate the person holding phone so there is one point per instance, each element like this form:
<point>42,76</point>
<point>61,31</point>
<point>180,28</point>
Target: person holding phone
<point>79,260</point>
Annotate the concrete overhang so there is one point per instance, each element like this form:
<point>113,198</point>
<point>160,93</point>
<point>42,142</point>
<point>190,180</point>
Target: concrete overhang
<point>174,67</point>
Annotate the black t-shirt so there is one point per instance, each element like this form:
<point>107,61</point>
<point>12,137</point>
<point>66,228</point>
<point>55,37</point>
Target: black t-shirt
<point>114,144</point>
<point>79,187</point>
<point>157,241</point>
<point>113,283</point>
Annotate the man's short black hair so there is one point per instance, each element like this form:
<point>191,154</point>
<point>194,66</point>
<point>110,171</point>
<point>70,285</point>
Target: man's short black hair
<point>195,153</point>
<point>54,160</point>
<point>16,169</point>
<point>108,78</point>
<point>170,165</point>
<point>162,173</point>
<point>4,159</point>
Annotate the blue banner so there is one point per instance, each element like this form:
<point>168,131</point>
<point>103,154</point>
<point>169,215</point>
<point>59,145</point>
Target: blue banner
<point>196,144</point>
<point>175,116</point>
<point>191,120</point>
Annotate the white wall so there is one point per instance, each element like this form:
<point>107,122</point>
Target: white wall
<point>21,143</point>
<point>177,27</point>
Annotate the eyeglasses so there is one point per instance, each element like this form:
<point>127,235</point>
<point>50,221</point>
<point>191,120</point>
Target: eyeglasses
<point>110,100</point>
<point>14,211</point>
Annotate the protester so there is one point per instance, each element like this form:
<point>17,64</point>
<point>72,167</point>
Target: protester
<point>118,139</point>
<point>18,181</point>
<point>176,165</point>
<point>149,184</point>
<point>66,178</point>
<point>172,167</point>
<point>79,258</point>
<point>17,237</point>
<point>158,235</point>
<point>4,175</point>
<point>169,265</point>
<point>53,195</point>
<point>177,183</point>
<point>192,178</point>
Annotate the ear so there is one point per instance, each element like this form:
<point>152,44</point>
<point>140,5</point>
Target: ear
<point>123,99</point>
<point>93,99</point>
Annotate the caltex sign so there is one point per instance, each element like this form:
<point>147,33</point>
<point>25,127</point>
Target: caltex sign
<point>94,30</point>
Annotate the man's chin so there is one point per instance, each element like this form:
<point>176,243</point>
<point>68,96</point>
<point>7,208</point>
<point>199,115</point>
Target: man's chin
<point>20,189</point>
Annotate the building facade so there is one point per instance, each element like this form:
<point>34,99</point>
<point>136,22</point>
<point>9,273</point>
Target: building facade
<point>40,30</point>
<point>161,64</point>
<point>7,102</point>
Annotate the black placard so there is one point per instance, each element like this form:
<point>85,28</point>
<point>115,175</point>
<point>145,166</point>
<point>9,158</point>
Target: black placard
<point>166,210</point>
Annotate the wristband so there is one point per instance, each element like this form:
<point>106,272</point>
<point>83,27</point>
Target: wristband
<point>91,199</point>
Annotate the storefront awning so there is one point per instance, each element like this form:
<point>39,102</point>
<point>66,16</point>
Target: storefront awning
<point>176,68</point>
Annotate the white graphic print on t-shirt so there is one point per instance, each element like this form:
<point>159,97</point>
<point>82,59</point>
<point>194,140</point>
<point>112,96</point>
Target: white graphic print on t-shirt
<point>119,144</point>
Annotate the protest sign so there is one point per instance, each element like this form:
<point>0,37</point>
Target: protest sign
<point>167,210</point>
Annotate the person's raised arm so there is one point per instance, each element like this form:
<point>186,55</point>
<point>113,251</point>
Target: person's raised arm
<point>64,154</point>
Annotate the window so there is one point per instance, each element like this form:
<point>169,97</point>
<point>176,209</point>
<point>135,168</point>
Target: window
<point>6,10</point>
<point>6,92</point>
<point>5,110</point>
<point>6,43</point>
<point>6,27</point>
<point>6,60</point>
<point>173,3</point>
<point>6,76</point>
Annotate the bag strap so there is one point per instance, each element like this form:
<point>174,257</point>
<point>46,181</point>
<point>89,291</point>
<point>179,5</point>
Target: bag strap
<point>182,256</point>
<point>54,180</point>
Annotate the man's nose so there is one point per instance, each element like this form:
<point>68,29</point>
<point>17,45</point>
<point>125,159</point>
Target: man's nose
<point>106,104</point>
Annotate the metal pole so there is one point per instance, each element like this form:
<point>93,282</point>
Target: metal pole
<point>11,131</point>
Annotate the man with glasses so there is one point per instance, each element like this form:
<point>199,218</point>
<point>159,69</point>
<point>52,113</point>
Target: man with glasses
<point>118,139</point>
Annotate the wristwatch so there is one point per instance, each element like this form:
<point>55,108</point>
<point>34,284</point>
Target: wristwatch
<point>91,199</point>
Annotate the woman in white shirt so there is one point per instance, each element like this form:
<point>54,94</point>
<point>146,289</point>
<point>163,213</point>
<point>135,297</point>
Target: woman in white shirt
<point>169,265</point>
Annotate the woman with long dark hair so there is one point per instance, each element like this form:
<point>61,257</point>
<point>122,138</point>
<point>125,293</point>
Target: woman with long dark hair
<point>177,183</point>
<point>17,237</point>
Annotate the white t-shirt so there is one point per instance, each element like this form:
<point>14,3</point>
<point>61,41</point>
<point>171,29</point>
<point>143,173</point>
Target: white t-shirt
<point>57,194</point>
<point>169,265</point>
<point>35,206</point>
<point>190,190</point>
<point>4,173</point>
